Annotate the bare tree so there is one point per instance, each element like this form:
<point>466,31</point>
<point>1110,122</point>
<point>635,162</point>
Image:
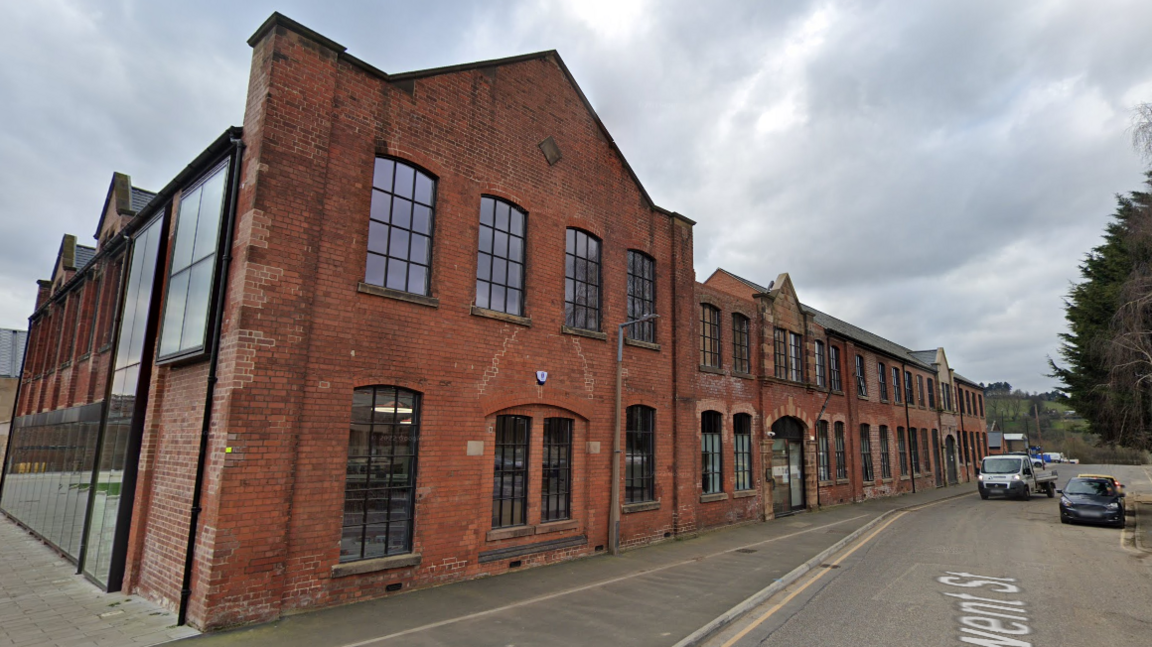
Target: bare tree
<point>1142,130</point>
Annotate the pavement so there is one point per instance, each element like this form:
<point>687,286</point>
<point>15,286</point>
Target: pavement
<point>673,593</point>
<point>658,595</point>
<point>44,603</point>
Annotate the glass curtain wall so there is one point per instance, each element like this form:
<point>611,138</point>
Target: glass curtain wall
<point>117,453</point>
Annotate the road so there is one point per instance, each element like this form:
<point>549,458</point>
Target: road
<point>1054,584</point>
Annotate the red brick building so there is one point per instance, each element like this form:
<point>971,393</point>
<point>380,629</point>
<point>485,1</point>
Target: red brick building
<point>368,343</point>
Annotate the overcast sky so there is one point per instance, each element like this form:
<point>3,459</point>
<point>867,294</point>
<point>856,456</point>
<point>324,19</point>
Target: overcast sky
<point>930,171</point>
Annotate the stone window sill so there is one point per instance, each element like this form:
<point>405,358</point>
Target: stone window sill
<point>709,498</point>
<point>711,369</point>
<point>743,376</point>
<point>375,565</point>
<point>841,481</point>
<point>525,531</point>
<point>642,506</point>
<point>580,332</point>
<point>743,493</point>
<point>399,295</point>
<point>641,344</point>
<point>501,316</point>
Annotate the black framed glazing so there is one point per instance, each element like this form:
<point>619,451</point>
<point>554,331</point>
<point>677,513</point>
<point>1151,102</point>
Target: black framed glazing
<point>823,458</point>
<point>834,369</point>
<point>883,380</point>
<point>780,352</point>
<point>510,477</point>
<point>902,450</point>
<point>380,480</point>
<point>640,454</point>
<point>818,349</point>
<point>581,280</point>
<point>927,453</point>
<point>400,227</point>
<point>896,397</point>
<point>931,395</point>
<point>908,387</point>
<point>914,448</point>
<point>709,336</point>
<point>740,350</point>
<point>841,464</point>
<point>641,295</point>
<point>861,385</point>
<point>866,454</point>
<point>920,390</point>
<point>711,465</point>
<point>192,269</point>
<point>885,454</point>
<point>500,256</point>
<point>742,451</point>
<point>795,357</point>
<point>556,489</point>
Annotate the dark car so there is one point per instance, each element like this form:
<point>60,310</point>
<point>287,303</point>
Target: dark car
<point>1092,500</point>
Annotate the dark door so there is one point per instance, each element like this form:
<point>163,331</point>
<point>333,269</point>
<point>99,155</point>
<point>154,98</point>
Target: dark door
<point>787,466</point>
<point>950,457</point>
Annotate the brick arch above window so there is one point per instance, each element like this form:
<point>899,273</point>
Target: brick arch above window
<point>493,404</point>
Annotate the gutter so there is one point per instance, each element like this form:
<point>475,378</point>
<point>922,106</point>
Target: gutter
<point>206,425</point>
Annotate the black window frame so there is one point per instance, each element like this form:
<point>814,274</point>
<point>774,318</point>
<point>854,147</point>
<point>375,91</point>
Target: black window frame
<point>711,452</point>
<point>556,470</point>
<point>980,398</point>
<point>780,353</point>
<point>641,295</point>
<point>867,472</point>
<point>741,350</point>
<point>640,451</point>
<point>403,233</point>
<point>897,392</point>
<point>742,452</point>
<point>795,357</point>
<point>823,459</point>
<point>172,272</point>
<point>821,367</point>
<point>502,475</point>
<point>931,394</point>
<point>496,248</point>
<point>902,451</point>
<point>841,452</point>
<point>834,381</point>
<point>709,335</point>
<point>861,383</point>
<point>914,449</point>
<point>885,453</point>
<point>574,259</point>
<point>920,390</point>
<point>365,423</point>
<point>882,381</point>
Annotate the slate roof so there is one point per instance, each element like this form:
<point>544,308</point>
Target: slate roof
<point>755,286</point>
<point>12,344</point>
<point>925,356</point>
<point>84,256</point>
<point>141,198</point>
<point>964,379</point>
<point>868,338</point>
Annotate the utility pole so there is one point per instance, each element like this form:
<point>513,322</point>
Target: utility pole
<point>614,507</point>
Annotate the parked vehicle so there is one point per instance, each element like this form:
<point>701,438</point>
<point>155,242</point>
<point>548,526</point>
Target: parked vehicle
<point>1092,500</point>
<point>1016,476</point>
<point>1107,477</point>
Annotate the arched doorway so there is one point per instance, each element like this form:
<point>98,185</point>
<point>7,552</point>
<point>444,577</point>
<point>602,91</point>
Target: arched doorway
<point>787,466</point>
<point>950,457</point>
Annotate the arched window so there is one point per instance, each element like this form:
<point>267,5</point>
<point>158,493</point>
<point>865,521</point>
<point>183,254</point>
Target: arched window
<point>711,470</point>
<point>400,229</point>
<point>500,259</point>
<point>742,450</point>
<point>640,455</point>
<point>641,295</point>
<point>581,280</point>
<point>740,351</point>
<point>380,481</point>
<point>709,336</point>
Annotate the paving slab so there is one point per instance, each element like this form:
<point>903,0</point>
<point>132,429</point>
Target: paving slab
<point>43,602</point>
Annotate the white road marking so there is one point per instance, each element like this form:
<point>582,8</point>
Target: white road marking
<point>586,587</point>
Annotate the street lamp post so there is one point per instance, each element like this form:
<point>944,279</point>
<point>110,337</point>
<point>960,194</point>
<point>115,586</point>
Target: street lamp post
<point>614,509</point>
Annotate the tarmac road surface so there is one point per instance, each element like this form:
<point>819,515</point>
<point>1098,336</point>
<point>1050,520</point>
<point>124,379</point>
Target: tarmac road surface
<point>967,571</point>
